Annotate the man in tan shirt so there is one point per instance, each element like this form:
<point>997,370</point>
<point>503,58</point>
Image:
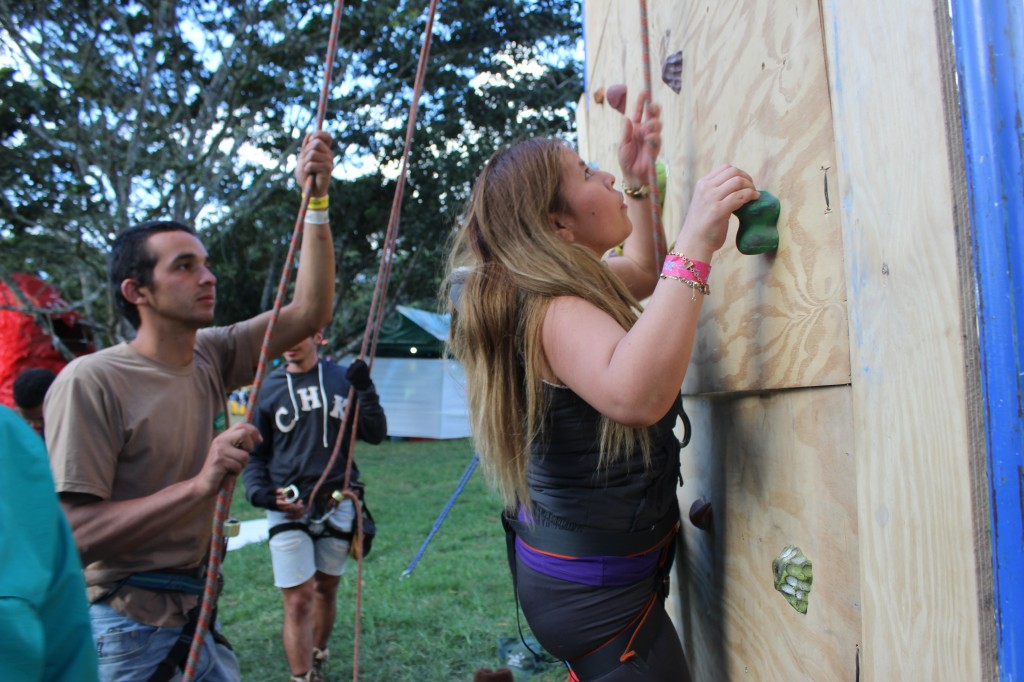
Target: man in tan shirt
<point>138,435</point>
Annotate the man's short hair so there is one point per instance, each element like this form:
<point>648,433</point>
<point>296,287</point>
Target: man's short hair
<point>31,386</point>
<point>130,259</point>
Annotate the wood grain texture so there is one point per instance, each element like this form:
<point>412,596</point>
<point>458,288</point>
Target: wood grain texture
<point>755,94</point>
<point>774,477</point>
<point>917,546</point>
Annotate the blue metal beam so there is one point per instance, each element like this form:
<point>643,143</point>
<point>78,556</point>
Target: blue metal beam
<point>989,44</point>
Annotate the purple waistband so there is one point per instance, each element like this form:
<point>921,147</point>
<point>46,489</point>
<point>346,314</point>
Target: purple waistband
<point>598,571</point>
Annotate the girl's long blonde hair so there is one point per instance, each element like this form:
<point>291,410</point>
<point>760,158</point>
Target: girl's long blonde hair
<point>506,264</point>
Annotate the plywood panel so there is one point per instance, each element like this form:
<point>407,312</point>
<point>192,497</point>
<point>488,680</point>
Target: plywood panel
<point>755,94</point>
<point>776,475</point>
<point>917,546</point>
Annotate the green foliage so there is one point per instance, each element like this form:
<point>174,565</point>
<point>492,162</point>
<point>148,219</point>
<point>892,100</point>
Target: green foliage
<point>190,110</point>
<point>441,623</point>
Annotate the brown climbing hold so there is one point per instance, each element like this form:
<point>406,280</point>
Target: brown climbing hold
<point>672,71</point>
<point>617,97</point>
<point>701,514</point>
<point>599,96</point>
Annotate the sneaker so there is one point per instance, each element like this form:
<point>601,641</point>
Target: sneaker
<point>320,657</point>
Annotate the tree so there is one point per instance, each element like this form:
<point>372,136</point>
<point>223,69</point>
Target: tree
<point>113,113</point>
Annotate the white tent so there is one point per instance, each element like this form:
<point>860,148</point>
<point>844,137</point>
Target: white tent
<point>423,397</point>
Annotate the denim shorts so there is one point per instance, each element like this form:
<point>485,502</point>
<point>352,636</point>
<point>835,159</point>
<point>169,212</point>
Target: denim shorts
<point>129,650</point>
<point>296,557</point>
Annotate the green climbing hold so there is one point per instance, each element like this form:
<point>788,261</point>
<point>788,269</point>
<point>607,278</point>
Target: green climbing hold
<point>793,574</point>
<point>661,174</point>
<point>759,225</point>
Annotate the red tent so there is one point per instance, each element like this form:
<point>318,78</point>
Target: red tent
<point>23,342</point>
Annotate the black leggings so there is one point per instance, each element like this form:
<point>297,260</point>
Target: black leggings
<point>570,620</point>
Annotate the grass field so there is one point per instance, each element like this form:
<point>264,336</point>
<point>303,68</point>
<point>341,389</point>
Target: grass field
<point>441,623</point>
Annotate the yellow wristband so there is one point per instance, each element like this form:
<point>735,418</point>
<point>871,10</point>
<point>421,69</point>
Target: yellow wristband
<point>317,203</point>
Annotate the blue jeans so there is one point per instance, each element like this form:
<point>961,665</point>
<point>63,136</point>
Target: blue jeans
<point>129,650</point>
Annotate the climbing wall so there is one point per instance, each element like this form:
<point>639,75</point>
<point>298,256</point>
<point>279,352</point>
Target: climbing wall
<point>754,93</point>
<point>789,447</point>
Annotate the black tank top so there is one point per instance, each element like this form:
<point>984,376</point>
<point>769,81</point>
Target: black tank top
<point>568,490</point>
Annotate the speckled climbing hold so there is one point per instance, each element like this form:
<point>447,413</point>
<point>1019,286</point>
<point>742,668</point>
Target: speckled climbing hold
<point>672,71</point>
<point>759,225</point>
<point>793,574</point>
<point>616,96</point>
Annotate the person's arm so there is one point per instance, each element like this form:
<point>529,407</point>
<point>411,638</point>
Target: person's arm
<point>633,377</point>
<point>108,528</point>
<point>259,489</point>
<point>310,308</point>
<point>373,424</point>
<point>639,264</point>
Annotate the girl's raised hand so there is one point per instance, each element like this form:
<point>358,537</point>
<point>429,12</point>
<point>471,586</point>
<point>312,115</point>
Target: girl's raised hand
<point>641,141</point>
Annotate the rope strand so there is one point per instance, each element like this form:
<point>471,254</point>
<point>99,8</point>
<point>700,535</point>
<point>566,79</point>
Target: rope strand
<point>217,544</point>
<point>660,249</point>
<point>375,318</point>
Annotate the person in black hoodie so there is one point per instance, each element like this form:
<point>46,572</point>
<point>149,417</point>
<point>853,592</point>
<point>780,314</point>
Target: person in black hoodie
<point>299,414</point>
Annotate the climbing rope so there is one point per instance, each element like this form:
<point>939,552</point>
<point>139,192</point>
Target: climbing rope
<point>652,178</point>
<point>444,513</point>
<point>371,335</point>
<point>375,318</point>
<point>217,544</point>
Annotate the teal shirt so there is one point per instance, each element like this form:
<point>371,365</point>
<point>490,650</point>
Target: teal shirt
<point>44,616</point>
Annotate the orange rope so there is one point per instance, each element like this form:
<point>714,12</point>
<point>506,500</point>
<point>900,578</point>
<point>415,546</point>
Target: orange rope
<point>217,544</point>
<point>374,321</point>
<point>652,179</point>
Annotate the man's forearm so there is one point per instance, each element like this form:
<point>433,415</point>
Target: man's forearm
<point>105,529</point>
<point>314,281</point>
<point>310,308</point>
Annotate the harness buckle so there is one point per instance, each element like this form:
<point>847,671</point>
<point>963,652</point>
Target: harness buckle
<point>291,493</point>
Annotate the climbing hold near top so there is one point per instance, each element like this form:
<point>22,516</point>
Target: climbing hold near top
<point>759,225</point>
<point>672,71</point>
<point>616,95</point>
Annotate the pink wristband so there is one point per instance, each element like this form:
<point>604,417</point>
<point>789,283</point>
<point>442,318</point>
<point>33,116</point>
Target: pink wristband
<point>676,266</point>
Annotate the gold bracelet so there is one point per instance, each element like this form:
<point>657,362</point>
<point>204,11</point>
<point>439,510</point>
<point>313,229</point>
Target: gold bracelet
<point>317,203</point>
<point>637,191</point>
<point>702,287</point>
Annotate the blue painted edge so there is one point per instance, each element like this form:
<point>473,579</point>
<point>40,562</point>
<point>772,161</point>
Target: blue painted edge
<point>989,44</point>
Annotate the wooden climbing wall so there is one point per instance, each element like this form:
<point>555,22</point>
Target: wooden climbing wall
<point>789,445</point>
<point>754,94</point>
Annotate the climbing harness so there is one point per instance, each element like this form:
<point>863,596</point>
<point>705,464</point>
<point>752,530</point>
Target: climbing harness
<point>633,643</point>
<point>324,524</point>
